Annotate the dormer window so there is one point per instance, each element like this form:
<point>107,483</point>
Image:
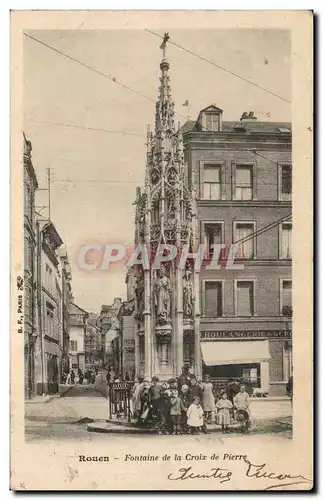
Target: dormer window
<point>210,119</point>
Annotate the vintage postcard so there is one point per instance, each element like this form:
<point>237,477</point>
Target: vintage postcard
<point>161,242</point>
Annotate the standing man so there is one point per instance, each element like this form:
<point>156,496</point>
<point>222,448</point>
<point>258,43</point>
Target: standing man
<point>289,389</point>
<point>185,377</point>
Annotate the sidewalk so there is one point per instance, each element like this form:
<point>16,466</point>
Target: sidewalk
<point>111,427</point>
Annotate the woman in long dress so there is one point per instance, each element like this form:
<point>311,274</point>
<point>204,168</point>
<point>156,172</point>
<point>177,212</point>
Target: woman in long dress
<point>208,399</point>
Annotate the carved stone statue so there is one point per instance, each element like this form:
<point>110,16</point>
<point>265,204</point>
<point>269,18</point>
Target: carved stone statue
<point>140,296</point>
<point>188,296</point>
<point>162,297</point>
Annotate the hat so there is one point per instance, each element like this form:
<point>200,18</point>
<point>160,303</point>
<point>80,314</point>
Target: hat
<point>171,381</point>
<point>155,378</point>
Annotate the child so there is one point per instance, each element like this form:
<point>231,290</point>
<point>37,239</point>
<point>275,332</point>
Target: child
<point>241,401</point>
<point>195,416</point>
<point>176,407</point>
<point>224,406</point>
<point>208,399</point>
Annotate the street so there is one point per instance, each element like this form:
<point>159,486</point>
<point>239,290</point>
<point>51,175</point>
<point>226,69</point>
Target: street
<point>66,418</point>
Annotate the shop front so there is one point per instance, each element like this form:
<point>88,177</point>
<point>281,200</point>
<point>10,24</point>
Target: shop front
<point>260,358</point>
<point>243,360</point>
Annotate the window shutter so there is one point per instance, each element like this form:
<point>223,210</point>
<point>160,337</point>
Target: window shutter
<point>213,298</point>
<point>244,298</point>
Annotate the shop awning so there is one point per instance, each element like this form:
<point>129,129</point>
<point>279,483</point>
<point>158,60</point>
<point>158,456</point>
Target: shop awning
<point>233,353</point>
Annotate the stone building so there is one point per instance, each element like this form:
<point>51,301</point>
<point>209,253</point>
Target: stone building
<point>92,341</point>
<point>167,314</point>
<point>65,276</point>
<point>50,324</point>
<point>78,324</point>
<point>30,271</point>
<point>109,326</point>
<point>243,183</point>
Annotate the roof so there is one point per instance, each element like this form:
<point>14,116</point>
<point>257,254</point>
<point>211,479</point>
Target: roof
<point>105,308</point>
<point>51,230</point>
<point>74,309</point>
<point>252,127</point>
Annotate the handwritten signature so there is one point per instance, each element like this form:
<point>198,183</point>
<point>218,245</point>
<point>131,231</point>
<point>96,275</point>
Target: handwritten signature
<point>253,471</point>
<point>223,475</point>
<point>259,472</point>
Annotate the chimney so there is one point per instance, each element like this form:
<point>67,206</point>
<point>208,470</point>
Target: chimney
<point>248,117</point>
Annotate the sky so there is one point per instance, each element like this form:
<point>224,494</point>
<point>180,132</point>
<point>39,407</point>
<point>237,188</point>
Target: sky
<point>94,174</point>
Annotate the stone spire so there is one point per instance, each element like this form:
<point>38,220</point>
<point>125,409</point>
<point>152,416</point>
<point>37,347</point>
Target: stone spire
<point>164,119</point>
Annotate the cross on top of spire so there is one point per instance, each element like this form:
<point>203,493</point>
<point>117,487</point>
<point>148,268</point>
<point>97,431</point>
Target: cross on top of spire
<point>163,44</point>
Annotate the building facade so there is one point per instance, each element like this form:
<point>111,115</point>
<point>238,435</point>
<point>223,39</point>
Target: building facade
<point>30,270</point>
<point>243,183</point>
<point>78,325</point>
<point>49,348</point>
<point>92,341</point>
<point>66,295</point>
<point>109,327</point>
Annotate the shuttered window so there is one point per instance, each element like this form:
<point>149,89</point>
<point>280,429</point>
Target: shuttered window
<point>245,298</point>
<point>213,299</point>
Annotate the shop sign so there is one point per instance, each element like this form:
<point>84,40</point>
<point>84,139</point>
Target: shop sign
<point>250,334</point>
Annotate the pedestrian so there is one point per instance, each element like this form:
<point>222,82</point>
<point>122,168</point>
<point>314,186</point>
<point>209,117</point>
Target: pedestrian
<point>241,402</point>
<point>96,370</point>
<point>185,377</point>
<point>69,378</point>
<point>185,403</point>
<point>208,399</point>
<point>145,407</point>
<point>127,377</point>
<point>81,376</point>
<point>135,396</point>
<point>72,377</point>
<point>195,390</point>
<point>224,406</point>
<point>155,395</point>
<point>289,389</point>
<point>176,408</point>
<point>232,389</point>
<point>195,416</point>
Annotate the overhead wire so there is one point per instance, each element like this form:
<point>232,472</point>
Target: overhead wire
<point>114,80</point>
<point>117,81</point>
<point>221,67</point>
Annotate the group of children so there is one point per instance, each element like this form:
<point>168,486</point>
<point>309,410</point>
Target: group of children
<point>180,408</point>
